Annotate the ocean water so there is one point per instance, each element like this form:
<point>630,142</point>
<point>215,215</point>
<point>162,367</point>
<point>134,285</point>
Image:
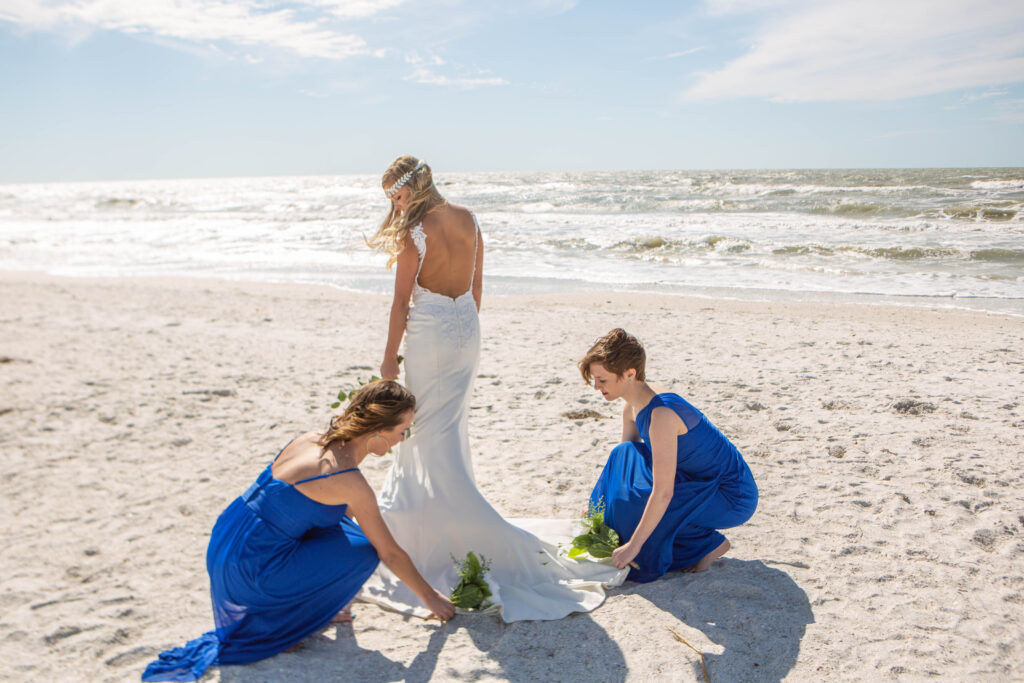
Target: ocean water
<point>946,237</point>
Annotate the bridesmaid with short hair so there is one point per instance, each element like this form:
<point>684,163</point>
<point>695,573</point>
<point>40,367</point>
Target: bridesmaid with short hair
<point>674,480</point>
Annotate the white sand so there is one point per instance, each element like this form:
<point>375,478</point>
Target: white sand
<point>887,545</point>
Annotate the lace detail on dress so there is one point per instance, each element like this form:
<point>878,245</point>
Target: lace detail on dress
<point>419,238</point>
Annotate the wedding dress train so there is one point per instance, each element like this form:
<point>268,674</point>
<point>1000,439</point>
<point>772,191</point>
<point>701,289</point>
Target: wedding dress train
<point>430,500</point>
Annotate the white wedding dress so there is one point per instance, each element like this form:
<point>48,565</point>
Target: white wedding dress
<point>430,500</point>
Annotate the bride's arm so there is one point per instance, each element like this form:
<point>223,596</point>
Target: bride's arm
<point>405,276</point>
<point>363,504</point>
<point>478,274</point>
<point>665,426</point>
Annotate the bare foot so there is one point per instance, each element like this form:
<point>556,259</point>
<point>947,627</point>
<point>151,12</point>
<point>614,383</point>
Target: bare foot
<point>343,617</point>
<point>706,561</point>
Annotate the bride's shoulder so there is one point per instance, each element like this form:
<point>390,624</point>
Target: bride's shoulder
<point>458,214</point>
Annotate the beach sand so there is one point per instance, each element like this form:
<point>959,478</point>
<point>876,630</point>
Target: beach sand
<point>887,444</point>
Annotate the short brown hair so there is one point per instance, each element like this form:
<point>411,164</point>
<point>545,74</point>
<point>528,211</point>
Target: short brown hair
<point>377,405</point>
<point>617,351</point>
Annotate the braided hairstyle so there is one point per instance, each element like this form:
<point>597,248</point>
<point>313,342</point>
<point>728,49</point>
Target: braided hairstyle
<point>423,196</point>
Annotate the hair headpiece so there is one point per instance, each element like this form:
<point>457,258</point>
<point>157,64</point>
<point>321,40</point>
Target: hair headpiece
<point>400,183</point>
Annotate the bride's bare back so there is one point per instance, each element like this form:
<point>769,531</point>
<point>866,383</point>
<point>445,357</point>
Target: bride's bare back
<point>448,265</point>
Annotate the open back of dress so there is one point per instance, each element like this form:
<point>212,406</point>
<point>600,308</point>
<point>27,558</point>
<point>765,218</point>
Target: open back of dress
<point>448,266</point>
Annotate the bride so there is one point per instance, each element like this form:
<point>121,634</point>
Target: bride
<point>430,500</point>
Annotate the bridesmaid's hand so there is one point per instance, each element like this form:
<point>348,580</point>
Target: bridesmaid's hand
<point>389,368</point>
<point>624,555</point>
<point>441,606</point>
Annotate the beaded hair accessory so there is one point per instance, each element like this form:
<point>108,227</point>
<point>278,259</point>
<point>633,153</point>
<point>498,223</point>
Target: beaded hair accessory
<point>400,183</point>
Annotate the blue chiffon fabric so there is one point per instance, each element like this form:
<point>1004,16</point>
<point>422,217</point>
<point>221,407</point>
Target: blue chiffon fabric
<point>714,489</point>
<point>281,567</point>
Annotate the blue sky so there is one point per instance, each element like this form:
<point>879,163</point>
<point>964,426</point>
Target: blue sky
<point>124,89</point>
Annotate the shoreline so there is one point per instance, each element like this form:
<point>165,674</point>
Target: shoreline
<point>1010,307</point>
<point>885,441</point>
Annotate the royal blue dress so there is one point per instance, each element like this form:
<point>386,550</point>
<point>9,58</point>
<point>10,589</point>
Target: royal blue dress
<point>281,567</point>
<point>714,489</point>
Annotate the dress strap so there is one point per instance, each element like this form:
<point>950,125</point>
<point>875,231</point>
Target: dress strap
<point>329,474</point>
<point>282,450</point>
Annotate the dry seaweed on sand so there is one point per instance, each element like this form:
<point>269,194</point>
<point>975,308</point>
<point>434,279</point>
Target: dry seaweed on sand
<point>687,643</point>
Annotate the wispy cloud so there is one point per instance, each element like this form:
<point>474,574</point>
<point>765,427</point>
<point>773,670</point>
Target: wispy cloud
<point>831,50</point>
<point>247,23</point>
<point>557,6</point>
<point>1009,110</point>
<point>417,59</point>
<point>674,55</point>
<point>427,77</point>
<point>985,95</point>
<point>355,8</point>
<point>971,98</point>
<point>905,133</point>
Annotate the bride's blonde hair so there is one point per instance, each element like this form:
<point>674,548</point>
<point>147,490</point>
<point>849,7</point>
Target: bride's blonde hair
<point>423,196</point>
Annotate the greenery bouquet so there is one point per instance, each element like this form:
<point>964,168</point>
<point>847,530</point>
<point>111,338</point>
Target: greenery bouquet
<point>598,540</point>
<point>472,592</point>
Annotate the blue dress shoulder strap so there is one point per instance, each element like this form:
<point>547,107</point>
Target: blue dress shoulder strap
<point>690,416</point>
<point>323,476</point>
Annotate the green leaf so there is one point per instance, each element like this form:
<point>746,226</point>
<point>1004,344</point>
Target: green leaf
<point>400,358</point>
<point>467,596</point>
<point>582,541</point>
<point>472,564</point>
<point>576,552</point>
<point>335,405</point>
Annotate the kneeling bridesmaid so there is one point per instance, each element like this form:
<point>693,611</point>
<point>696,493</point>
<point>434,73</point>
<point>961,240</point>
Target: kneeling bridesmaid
<point>674,481</point>
<point>285,559</point>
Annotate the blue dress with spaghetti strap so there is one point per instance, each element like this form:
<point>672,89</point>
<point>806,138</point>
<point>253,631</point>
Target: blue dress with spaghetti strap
<point>281,567</point>
<point>714,489</point>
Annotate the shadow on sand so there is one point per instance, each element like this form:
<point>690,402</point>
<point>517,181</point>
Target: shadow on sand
<point>756,613</point>
<point>325,659</point>
<point>574,648</point>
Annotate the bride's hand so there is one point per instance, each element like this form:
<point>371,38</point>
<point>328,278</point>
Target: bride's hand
<point>389,368</point>
<point>624,555</point>
<point>441,606</point>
